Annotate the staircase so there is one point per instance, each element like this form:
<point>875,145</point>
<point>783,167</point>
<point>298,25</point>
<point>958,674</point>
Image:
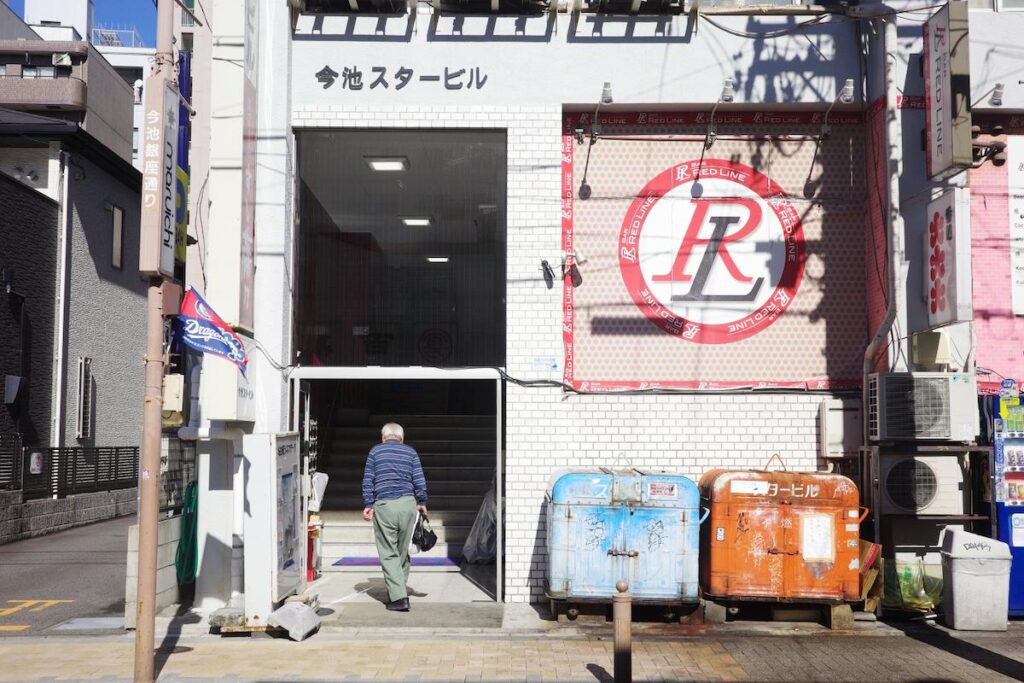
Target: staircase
<point>458,457</point>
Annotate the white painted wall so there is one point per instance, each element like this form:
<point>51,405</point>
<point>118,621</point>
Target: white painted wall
<point>528,62</point>
<point>138,58</point>
<point>225,179</point>
<point>274,219</point>
<point>76,13</point>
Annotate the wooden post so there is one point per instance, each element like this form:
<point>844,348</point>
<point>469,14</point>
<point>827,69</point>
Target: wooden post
<point>622,616</point>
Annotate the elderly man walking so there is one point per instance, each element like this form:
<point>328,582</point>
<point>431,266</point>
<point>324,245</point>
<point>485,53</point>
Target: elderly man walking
<point>393,490</point>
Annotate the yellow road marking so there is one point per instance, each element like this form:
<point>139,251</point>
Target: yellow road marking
<point>35,605</point>
<point>8,628</point>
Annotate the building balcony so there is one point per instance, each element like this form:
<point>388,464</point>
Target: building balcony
<point>50,93</point>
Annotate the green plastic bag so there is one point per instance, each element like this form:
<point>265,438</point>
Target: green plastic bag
<point>912,585</point>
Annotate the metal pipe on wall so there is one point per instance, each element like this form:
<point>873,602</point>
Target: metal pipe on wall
<point>57,412</point>
<point>894,222</point>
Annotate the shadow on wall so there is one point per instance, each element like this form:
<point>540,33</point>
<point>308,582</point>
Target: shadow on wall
<point>786,71</point>
<point>93,194</point>
<point>28,235</point>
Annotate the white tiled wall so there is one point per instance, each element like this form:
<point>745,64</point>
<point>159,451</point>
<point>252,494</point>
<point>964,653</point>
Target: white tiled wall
<point>546,428</point>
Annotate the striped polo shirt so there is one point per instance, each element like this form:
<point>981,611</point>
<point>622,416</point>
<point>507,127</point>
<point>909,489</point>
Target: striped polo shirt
<point>393,470</point>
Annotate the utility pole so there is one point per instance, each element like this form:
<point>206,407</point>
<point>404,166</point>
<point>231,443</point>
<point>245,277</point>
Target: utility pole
<point>154,264</point>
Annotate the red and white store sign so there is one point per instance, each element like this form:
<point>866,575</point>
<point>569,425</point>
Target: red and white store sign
<point>947,106</point>
<point>947,248</point>
<point>712,252</point>
<point>746,268</point>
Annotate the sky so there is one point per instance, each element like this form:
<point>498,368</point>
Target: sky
<point>140,14</point>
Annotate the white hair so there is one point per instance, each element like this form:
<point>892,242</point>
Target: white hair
<point>392,430</point>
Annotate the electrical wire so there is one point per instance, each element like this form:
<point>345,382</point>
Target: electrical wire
<point>790,30</point>
<point>568,388</point>
<point>270,359</point>
<point>778,33</point>
<point>986,371</point>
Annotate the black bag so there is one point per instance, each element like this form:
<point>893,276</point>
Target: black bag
<point>423,537</point>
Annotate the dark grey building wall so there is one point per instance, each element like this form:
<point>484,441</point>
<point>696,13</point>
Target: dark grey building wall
<point>106,305</point>
<point>28,244</point>
<point>12,27</point>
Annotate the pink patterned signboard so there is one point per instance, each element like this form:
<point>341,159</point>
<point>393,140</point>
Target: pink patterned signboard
<point>741,266</point>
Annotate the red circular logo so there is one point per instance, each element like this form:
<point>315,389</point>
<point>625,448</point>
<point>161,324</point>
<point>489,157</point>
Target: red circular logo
<point>712,257</point>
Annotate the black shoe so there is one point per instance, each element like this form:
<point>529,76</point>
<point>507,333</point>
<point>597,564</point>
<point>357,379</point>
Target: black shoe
<point>398,605</point>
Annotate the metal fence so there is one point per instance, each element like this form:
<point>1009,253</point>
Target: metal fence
<point>46,472</point>
<point>10,462</point>
<point>68,471</point>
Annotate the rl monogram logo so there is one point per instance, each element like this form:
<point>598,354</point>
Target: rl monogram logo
<point>714,263</point>
<point>715,247</point>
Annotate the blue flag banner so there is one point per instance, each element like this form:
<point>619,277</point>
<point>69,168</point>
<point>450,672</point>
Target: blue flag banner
<point>203,330</point>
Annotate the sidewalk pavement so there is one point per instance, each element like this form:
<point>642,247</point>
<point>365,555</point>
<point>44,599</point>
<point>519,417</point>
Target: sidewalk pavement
<point>526,649</point>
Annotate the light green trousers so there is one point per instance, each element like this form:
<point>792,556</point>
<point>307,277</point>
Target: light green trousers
<point>393,524</point>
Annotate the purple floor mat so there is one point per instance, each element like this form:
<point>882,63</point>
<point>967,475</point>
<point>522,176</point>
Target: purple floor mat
<point>416,562</point>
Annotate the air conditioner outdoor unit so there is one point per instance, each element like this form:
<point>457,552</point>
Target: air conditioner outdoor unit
<point>922,485</point>
<point>62,59</point>
<point>922,406</point>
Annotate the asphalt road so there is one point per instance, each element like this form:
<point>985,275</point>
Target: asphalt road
<point>46,581</point>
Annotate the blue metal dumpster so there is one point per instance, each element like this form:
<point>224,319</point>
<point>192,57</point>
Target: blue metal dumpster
<point>606,525</point>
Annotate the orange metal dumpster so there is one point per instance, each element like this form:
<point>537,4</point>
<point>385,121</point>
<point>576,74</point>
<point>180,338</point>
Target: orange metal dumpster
<point>784,536</point>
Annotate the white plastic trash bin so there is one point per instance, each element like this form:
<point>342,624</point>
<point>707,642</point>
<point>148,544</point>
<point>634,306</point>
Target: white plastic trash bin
<point>975,581</point>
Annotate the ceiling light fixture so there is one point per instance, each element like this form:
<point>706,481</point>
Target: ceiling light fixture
<point>437,259</point>
<point>417,221</point>
<point>387,164</point>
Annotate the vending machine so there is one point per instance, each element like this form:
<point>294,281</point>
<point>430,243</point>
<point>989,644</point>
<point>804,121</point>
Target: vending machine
<point>1008,487</point>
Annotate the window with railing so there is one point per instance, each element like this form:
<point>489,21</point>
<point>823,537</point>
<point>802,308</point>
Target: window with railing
<point>186,18</point>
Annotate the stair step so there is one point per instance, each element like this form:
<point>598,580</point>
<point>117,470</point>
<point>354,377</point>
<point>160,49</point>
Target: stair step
<point>438,518</point>
<point>348,535</point>
<point>434,486</point>
<point>428,446</point>
<point>431,432</point>
<point>332,461</point>
<point>354,501</point>
<point>445,420</point>
<point>332,552</point>
<point>432,472</point>
<point>370,550</point>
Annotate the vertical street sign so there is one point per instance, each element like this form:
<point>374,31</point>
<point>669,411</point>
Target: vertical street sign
<point>183,171</point>
<point>247,242</point>
<point>947,91</point>
<point>159,178</point>
<point>1015,205</point>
